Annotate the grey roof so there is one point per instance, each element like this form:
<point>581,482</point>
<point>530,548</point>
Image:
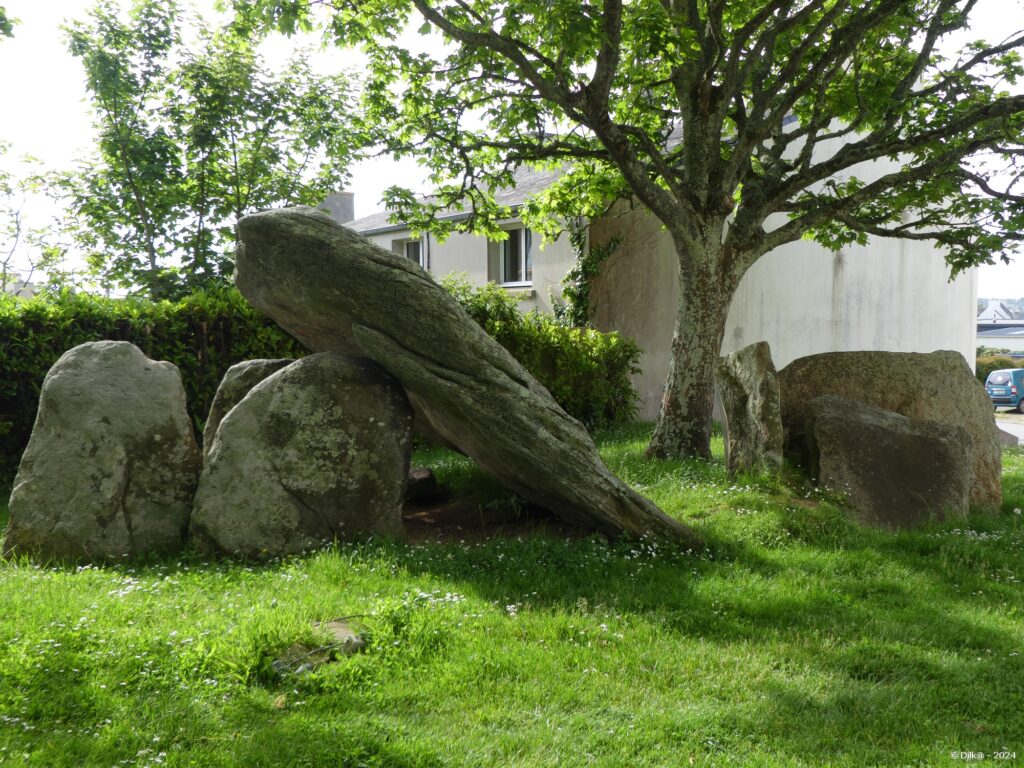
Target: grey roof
<point>528,182</point>
<point>1004,330</point>
<point>374,223</point>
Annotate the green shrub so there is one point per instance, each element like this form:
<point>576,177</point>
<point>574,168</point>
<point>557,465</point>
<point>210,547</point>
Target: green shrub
<point>488,304</point>
<point>203,335</point>
<point>586,371</point>
<point>985,364</point>
<point>982,351</point>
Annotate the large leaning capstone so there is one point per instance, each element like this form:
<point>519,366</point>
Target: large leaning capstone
<point>315,452</point>
<point>112,463</point>
<point>336,291</point>
<point>897,472</point>
<point>937,386</point>
<point>749,389</point>
<point>235,385</point>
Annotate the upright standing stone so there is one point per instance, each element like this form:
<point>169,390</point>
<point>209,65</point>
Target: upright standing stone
<point>937,386</point>
<point>749,390</point>
<point>336,291</point>
<point>235,385</point>
<point>897,472</point>
<point>315,452</point>
<point>112,463</point>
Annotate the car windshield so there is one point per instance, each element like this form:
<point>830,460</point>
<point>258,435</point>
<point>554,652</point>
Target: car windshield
<point>999,378</point>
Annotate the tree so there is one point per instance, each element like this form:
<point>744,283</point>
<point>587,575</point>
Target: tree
<point>6,23</point>
<point>25,249</point>
<point>11,225</point>
<point>716,115</point>
<point>192,136</point>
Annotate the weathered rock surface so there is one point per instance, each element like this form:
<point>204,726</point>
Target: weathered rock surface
<point>897,472</point>
<point>1007,438</point>
<point>336,291</point>
<point>937,386</point>
<point>749,389</point>
<point>112,463</point>
<point>315,452</point>
<point>235,385</point>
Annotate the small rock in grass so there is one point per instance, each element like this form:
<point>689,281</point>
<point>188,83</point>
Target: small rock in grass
<point>341,640</point>
<point>344,638</point>
<point>422,485</point>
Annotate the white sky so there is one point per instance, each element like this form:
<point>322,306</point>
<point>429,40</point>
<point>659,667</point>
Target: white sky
<point>43,108</point>
<point>43,112</point>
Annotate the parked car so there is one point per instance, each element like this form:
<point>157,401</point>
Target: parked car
<point>1006,387</point>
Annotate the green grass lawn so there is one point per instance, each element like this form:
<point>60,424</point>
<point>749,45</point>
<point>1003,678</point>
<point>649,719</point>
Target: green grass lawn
<point>793,638</point>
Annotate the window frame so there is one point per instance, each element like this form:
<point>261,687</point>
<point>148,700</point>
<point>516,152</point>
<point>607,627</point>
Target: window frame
<point>523,236</point>
<point>400,247</point>
<point>418,242</point>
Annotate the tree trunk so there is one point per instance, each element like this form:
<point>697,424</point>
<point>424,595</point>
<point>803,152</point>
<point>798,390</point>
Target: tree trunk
<point>683,428</point>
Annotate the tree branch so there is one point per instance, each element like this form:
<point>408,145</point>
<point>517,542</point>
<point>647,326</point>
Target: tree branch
<point>882,143</point>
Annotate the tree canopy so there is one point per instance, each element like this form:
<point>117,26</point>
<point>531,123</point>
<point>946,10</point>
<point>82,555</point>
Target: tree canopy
<point>6,23</point>
<point>742,125</point>
<point>26,250</point>
<point>192,136</point>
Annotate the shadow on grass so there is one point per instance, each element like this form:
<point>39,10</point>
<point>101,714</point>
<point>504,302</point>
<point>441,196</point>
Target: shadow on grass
<point>909,654</point>
<point>830,640</point>
<point>916,631</point>
<point>338,735</point>
<point>857,652</point>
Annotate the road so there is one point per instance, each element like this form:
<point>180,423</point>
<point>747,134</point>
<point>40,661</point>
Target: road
<point>1012,423</point>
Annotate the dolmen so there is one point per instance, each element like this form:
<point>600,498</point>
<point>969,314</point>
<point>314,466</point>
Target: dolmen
<point>299,454</point>
<point>335,291</point>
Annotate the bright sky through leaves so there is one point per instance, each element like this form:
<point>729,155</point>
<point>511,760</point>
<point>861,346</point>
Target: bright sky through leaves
<point>44,112</point>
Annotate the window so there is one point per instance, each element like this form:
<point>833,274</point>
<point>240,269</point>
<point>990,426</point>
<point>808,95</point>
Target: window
<point>516,257</point>
<point>409,249</point>
<point>414,251</point>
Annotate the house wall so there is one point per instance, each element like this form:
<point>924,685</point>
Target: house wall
<point>468,253</point>
<point>802,299</point>
<point>21,289</point>
<point>1014,343</point>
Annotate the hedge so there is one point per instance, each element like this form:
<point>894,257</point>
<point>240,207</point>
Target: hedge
<point>588,372</point>
<point>206,333</point>
<point>985,364</point>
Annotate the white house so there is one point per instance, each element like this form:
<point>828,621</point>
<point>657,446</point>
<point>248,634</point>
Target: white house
<point>521,262</point>
<point>20,288</point>
<point>802,299</point>
<point>996,328</point>
<point>1003,336</point>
